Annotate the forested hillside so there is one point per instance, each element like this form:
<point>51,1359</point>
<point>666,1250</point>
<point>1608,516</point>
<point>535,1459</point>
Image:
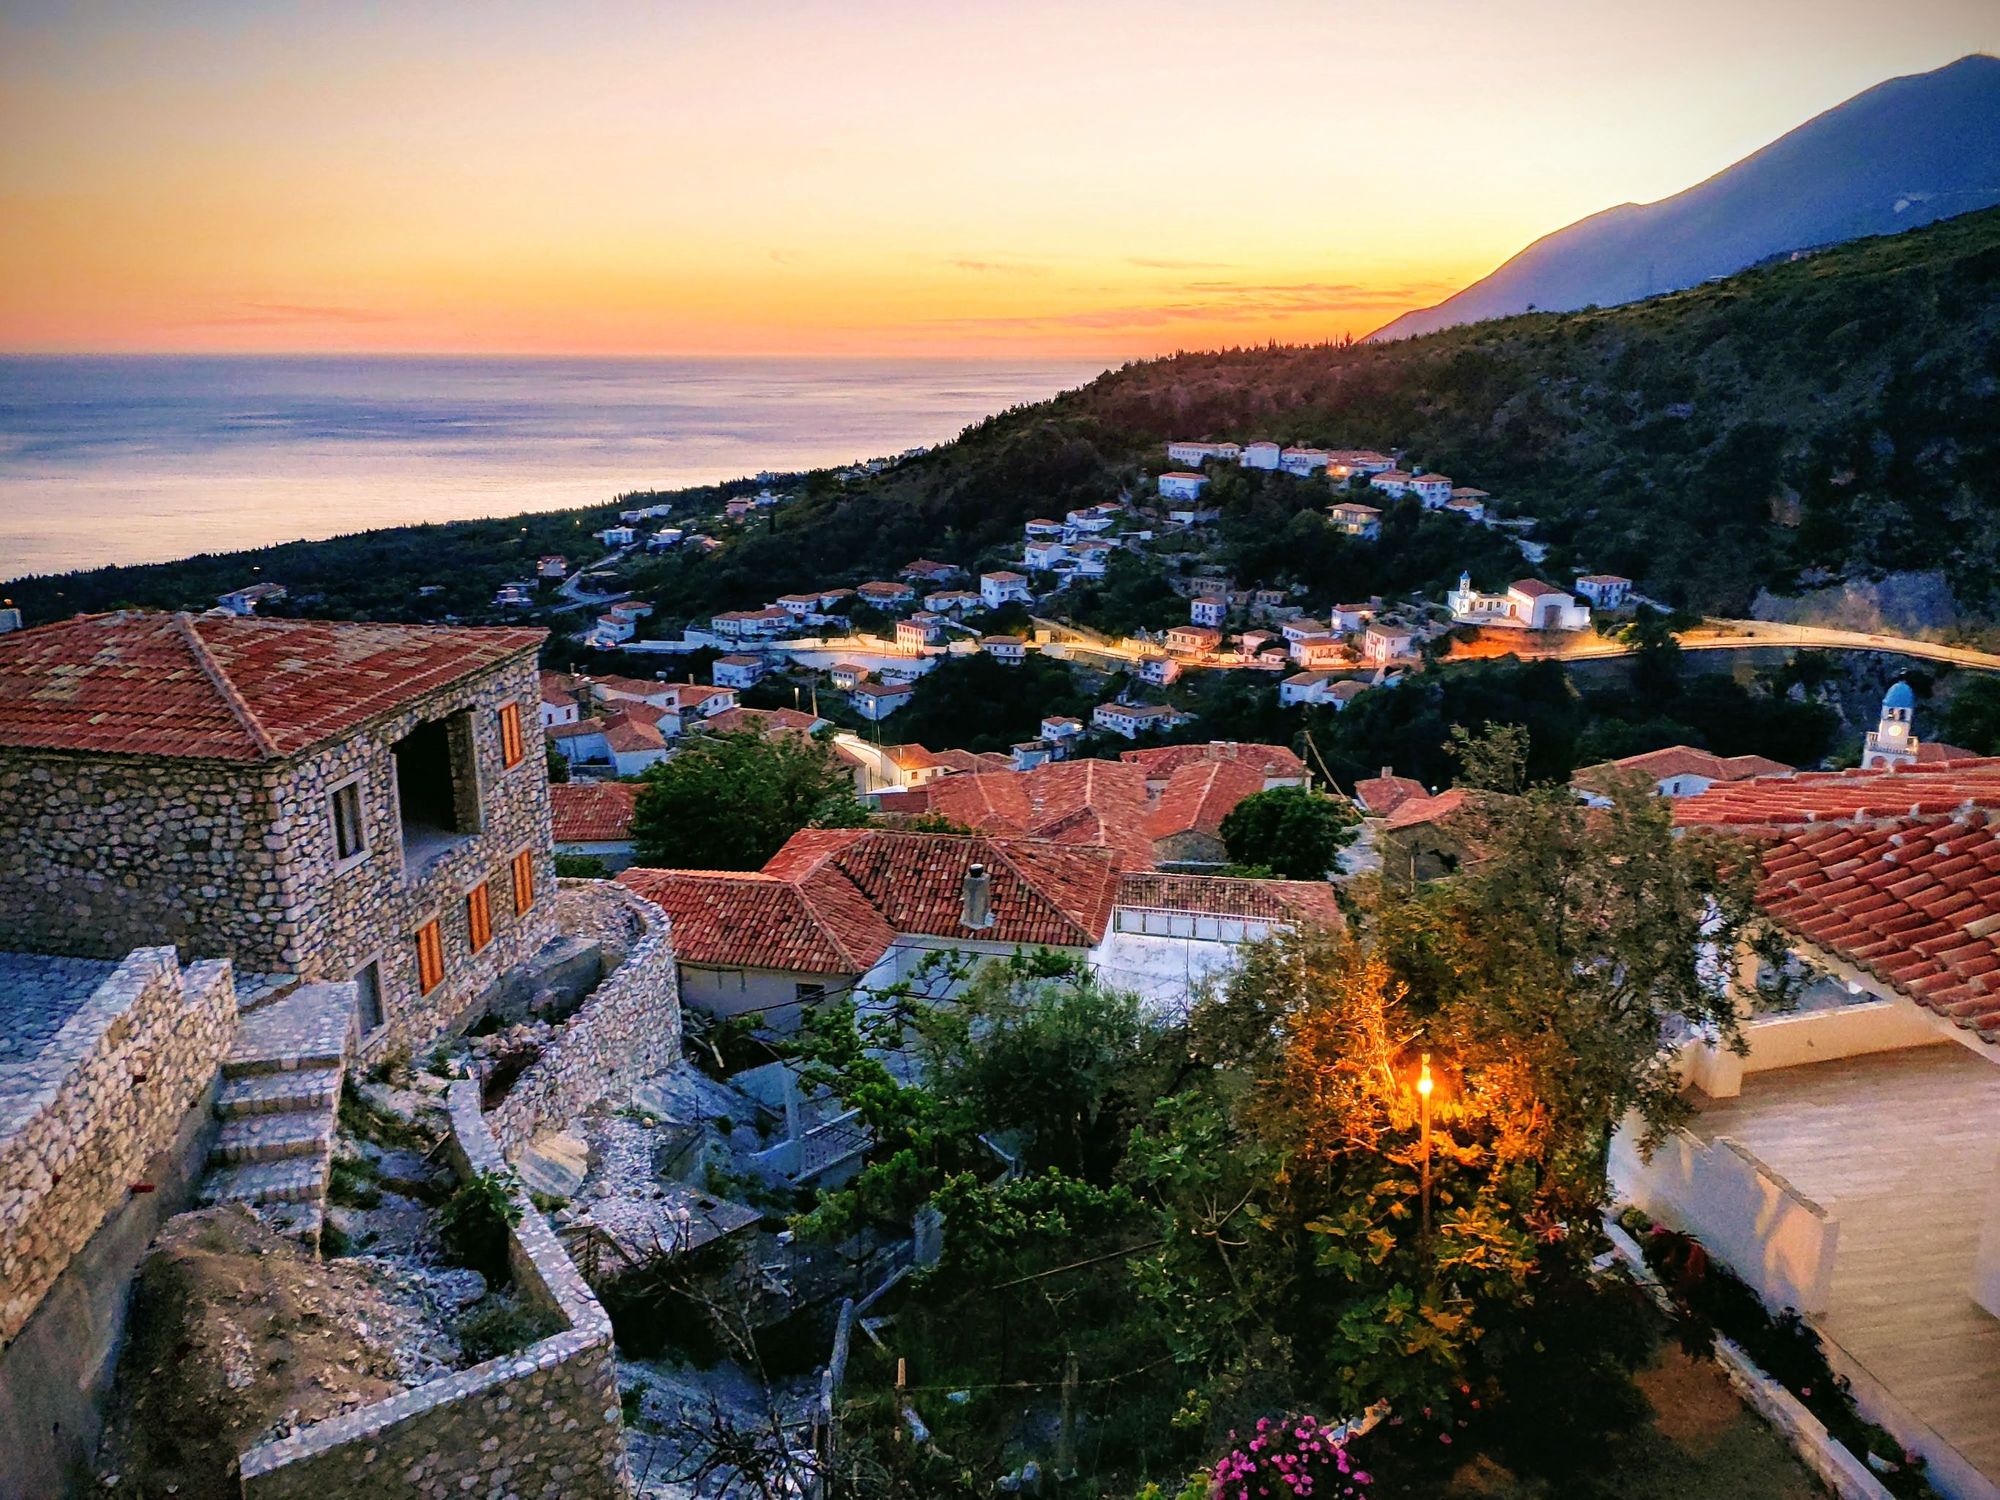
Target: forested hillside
<point>1835,416</point>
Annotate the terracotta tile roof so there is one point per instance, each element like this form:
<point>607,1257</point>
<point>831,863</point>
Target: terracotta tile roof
<point>1417,810</point>
<point>224,687</point>
<point>966,761</point>
<point>1383,794</point>
<point>1197,797</point>
<point>1602,578</point>
<point>1915,902</point>
<point>634,729</point>
<point>592,812</point>
<point>1681,760</point>
<point>764,721</point>
<point>1162,761</point>
<point>1532,588</point>
<point>1847,796</point>
<point>557,689</point>
<point>1226,896</point>
<point>1044,894</point>
<point>753,920</point>
<point>912,757</point>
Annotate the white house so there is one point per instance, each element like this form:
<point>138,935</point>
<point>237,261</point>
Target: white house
<point>885,595</point>
<point>1302,461</point>
<point>1008,650</point>
<point>1347,463</point>
<point>1528,604</point>
<point>244,601</point>
<point>1605,590</point>
<point>751,624</point>
<point>921,629</point>
<point>1433,489</point>
<point>799,606</point>
<point>617,536</point>
<point>877,701</point>
<point>665,539</point>
<point>1391,482</point>
<point>1382,644</point>
<point>1060,729</point>
<point>1299,630</point>
<point>1041,556</point>
<point>1091,557</point>
<point>1003,588</point>
<point>1091,521</point>
<point>1159,669</point>
<point>1465,507</point>
<point>1197,454</point>
<point>1130,720</point>
<point>1208,609</point>
<point>951,601</point>
<point>737,671</point>
<point>1261,455</point>
<point>611,629</point>
<point>1194,640</point>
<point>1354,519</point>
<point>552,566</point>
<point>559,704</point>
<point>1181,484</point>
<point>1319,688</point>
<point>1041,526</point>
<point>1347,618</point>
<point>846,675</point>
<point>1318,654</point>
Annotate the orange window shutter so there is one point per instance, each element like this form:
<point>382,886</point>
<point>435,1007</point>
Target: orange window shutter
<point>510,734</point>
<point>524,880</point>
<point>479,917</point>
<point>430,957</point>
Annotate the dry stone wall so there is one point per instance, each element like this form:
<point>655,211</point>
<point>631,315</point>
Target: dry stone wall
<point>80,1119</point>
<point>543,1424</point>
<point>627,1030</point>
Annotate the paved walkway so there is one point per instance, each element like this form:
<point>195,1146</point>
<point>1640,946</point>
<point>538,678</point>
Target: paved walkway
<point>1903,1149</point>
<point>38,994</point>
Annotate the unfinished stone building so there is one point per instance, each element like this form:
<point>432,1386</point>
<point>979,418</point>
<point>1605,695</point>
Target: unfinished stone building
<point>309,799</point>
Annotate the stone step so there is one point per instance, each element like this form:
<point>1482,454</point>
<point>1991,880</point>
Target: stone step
<point>276,1093</point>
<point>299,1180</point>
<point>308,1028</point>
<point>252,1138</point>
<point>254,991</point>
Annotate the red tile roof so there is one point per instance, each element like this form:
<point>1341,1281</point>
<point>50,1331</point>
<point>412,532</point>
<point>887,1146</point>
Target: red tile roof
<point>1847,796</point>
<point>224,687</point>
<point>592,812</point>
<point>1417,810</point>
<point>1383,794</point>
<point>753,920</point>
<point>765,721</point>
<point>1198,797</point>
<point>1681,760</point>
<point>1044,894</point>
<point>1081,802</point>
<point>1915,902</point>
<point>1532,588</point>
<point>1225,896</point>
<point>1162,761</point>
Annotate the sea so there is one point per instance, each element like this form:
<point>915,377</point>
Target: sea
<point>127,459</point>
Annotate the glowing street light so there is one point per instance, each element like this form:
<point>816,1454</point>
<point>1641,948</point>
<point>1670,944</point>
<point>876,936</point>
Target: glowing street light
<point>1424,1087</point>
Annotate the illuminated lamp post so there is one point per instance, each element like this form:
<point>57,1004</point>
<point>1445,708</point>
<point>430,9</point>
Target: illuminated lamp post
<point>1424,1086</point>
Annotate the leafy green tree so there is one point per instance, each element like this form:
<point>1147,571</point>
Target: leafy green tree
<point>1972,718</point>
<point>729,802</point>
<point>1292,831</point>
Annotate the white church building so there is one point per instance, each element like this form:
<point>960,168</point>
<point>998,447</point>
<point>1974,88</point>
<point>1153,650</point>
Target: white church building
<point>1528,604</point>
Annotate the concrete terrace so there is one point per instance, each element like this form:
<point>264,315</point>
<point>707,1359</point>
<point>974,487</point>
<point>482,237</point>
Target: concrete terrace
<point>1902,1149</point>
<point>38,994</point>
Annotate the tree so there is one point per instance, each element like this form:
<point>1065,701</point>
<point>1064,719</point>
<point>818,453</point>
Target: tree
<point>1972,718</point>
<point>729,802</point>
<point>1290,830</point>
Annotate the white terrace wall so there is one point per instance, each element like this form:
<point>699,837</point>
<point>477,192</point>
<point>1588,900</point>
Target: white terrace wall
<point>539,1425</point>
<point>80,1119</point>
<point>627,1030</point>
<point>1749,1217</point>
<point>1814,1036</point>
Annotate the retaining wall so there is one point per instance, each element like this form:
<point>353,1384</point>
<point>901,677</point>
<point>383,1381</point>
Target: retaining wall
<point>628,1030</point>
<point>1762,1227</point>
<point>543,1424</point>
<point>81,1118</point>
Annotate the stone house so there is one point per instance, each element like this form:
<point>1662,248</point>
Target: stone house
<point>326,800</point>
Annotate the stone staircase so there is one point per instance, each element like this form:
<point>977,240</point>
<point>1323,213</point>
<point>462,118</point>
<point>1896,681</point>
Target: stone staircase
<point>278,1103</point>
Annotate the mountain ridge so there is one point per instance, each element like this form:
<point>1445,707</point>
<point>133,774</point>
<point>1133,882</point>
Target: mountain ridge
<point>1907,152</point>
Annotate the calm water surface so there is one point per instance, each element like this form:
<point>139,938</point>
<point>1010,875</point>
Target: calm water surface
<point>118,460</point>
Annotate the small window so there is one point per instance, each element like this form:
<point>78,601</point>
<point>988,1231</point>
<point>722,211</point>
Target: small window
<point>479,916</point>
<point>524,880</point>
<point>510,734</point>
<point>368,980</point>
<point>350,836</point>
<point>808,994</point>
<point>430,957</point>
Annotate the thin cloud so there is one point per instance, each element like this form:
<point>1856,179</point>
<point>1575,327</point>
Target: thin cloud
<point>1168,263</point>
<point>298,312</point>
<point>994,267</point>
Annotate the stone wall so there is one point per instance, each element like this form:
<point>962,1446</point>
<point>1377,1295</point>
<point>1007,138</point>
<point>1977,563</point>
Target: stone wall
<point>543,1424</point>
<point>371,908</point>
<point>80,1119</point>
<point>103,854</point>
<point>628,1029</point>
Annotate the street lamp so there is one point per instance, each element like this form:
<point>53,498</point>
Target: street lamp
<point>1424,1087</point>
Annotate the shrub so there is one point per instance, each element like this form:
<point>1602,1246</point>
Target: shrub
<point>474,1225</point>
<point>1294,1457</point>
<point>500,1325</point>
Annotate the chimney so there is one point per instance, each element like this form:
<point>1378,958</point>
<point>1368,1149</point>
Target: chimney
<point>1387,772</point>
<point>978,908</point>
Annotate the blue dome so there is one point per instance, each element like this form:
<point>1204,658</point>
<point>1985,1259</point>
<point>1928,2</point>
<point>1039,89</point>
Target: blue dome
<point>1900,696</point>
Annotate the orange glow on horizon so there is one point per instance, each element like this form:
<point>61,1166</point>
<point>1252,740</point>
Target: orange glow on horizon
<point>804,177</point>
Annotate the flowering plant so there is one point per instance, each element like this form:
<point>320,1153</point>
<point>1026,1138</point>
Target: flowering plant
<point>1289,1460</point>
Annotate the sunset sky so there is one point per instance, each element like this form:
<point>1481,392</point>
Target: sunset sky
<point>1100,179</point>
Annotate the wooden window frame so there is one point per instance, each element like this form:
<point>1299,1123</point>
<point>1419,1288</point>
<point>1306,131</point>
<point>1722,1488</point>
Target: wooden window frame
<point>357,785</point>
<point>523,867</point>
<point>479,917</point>
<point>430,956</point>
<point>513,748</point>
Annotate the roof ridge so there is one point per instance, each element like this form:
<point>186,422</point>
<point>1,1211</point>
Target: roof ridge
<point>219,680</point>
